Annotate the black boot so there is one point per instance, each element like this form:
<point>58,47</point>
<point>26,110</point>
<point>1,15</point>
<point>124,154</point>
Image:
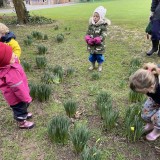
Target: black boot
<point>154,47</point>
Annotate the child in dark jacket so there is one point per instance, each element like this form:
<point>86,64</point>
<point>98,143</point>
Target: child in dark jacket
<point>95,37</point>
<point>14,86</point>
<point>146,81</point>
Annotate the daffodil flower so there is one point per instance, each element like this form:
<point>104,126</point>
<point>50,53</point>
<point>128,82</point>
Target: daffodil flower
<point>132,128</point>
<point>98,140</point>
<point>94,154</point>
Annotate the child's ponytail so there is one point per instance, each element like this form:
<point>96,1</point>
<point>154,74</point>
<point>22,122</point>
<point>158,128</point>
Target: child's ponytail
<point>152,67</point>
<point>144,77</point>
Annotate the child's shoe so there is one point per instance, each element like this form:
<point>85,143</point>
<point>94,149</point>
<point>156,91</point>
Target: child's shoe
<point>99,67</point>
<point>29,115</point>
<point>25,124</point>
<point>153,135</point>
<point>92,67</point>
<point>148,127</point>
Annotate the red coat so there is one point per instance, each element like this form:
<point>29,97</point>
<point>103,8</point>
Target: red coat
<point>14,84</point>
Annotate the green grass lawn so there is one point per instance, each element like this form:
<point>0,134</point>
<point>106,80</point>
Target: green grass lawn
<point>121,12</point>
<point>126,39</point>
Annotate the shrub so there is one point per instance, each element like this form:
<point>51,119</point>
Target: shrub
<point>37,35</point>
<point>50,78</point>
<point>104,104</point>
<point>59,38</point>
<point>110,118</point>
<point>93,90</point>
<point>9,20</point>
<point>42,49</point>
<point>26,66</point>
<point>135,63</point>
<point>79,137</point>
<point>105,108</point>
<point>122,84</point>
<point>39,20</point>
<point>33,90</point>
<point>133,123</point>
<point>67,28</point>
<point>43,92</point>
<point>102,98</point>
<point>34,34</point>
<point>136,97</point>
<point>56,27</point>
<point>70,108</point>
<point>41,61</point>
<point>29,37</point>
<point>58,71</point>
<point>70,71</point>
<point>28,42</point>
<point>91,154</point>
<point>95,76</point>
<point>45,37</point>
<point>58,129</point>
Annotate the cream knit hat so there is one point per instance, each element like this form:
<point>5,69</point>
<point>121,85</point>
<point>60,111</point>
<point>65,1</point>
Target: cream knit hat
<point>101,11</point>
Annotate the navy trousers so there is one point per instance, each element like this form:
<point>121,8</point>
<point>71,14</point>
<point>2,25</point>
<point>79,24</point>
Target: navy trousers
<point>20,111</point>
<point>155,30</point>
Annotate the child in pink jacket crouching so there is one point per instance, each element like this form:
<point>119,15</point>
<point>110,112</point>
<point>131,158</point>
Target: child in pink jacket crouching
<point>14,86</point>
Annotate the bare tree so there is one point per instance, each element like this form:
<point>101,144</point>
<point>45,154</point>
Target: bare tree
<point>21,11</point>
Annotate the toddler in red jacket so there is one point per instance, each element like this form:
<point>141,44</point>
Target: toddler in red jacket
<point>14,86</point>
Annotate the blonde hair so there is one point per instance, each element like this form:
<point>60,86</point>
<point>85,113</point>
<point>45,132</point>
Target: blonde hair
<point>144,77</point>
<point>3,28</point>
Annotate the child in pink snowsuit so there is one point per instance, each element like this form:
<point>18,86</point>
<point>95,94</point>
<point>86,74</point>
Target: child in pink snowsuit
<point>14,86</point>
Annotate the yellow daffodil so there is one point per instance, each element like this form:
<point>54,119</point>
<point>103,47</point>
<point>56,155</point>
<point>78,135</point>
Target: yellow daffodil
<point>98,140</point>
<point>132,128</point>
<point>94,154</point>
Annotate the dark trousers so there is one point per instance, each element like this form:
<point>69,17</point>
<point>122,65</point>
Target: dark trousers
<point>155,30</point>
<point>20,111</point>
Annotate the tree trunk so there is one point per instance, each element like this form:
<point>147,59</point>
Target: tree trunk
<point>21,11</point>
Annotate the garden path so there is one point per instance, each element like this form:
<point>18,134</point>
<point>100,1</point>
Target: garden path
<point>37,7</point>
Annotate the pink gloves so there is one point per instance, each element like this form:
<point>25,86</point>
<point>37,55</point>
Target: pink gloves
<point>92,41</point>
<point>89,40</point>
<point>97,40</point>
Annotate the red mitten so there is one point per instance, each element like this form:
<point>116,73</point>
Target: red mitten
<point>97,40</point>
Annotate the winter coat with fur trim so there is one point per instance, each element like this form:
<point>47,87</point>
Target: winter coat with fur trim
<point>97,30</point>
<point>14,84</point>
